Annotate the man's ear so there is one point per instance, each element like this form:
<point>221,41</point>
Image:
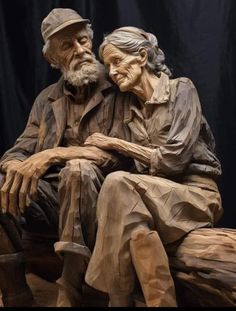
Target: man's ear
<point>52,60</point>
<point>143,57</point>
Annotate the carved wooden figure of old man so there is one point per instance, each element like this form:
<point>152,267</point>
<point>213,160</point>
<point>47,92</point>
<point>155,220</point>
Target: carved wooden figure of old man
<point>48,179</point>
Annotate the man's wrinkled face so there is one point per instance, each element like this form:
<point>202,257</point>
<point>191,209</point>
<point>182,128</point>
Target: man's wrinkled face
<point>124,69</point>
<point>71,49</point>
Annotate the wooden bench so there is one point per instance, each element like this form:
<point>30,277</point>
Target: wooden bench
<point>203,268</point>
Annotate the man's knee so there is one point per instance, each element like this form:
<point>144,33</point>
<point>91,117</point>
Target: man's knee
<point>75,163</point>
<point>77,168</point>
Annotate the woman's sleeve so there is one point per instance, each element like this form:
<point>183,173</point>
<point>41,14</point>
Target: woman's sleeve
<point>174,156</point>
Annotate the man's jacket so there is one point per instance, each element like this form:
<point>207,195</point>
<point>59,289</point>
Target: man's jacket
<point>47,120</point>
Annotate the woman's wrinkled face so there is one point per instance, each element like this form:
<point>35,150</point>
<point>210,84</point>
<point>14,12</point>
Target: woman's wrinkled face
<point>124,69</point>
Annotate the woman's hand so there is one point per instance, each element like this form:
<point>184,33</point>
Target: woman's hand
<point>131,150</point>
<point>101,141</point>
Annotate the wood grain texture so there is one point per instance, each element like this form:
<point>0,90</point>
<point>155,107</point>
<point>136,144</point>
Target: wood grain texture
<point>204,267</point>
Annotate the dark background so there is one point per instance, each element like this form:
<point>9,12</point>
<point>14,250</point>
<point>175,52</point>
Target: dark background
<point>198,37</point>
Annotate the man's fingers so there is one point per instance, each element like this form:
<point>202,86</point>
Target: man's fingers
<point>34,187</point>
<point>13,195</point>
<point>23,193</point>
<point>5,191</point>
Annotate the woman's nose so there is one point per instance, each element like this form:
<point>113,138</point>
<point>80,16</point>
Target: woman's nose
<point>112,70</point>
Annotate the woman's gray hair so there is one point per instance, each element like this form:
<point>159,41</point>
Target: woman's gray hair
<point>130,40</point>
<point>46,46</point>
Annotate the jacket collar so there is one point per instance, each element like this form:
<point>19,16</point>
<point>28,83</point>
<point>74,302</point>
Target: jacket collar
<point>57,90</point>
<point>161,92</point>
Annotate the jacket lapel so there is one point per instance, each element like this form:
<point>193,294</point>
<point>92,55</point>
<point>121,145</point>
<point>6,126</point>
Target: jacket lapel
<point>97,98</point>
<point>93,102</point>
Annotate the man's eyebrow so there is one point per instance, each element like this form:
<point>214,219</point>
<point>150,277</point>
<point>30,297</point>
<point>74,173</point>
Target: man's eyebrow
<point>83,34</point>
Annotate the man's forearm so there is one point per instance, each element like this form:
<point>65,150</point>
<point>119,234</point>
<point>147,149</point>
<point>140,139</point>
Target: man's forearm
<point>64,154</point>
<point>60,155</point>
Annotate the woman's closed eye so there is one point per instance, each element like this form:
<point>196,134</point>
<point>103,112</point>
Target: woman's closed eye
<point>116,61</point>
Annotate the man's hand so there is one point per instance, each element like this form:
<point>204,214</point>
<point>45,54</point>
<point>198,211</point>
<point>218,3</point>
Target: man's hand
<point>22,179</point>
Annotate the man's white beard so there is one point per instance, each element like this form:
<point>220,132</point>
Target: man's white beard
<point>88,73</point>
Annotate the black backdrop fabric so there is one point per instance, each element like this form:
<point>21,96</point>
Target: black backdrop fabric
<point>198,37</point>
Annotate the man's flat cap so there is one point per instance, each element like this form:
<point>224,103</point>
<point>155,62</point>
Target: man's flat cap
<point>58,19</point>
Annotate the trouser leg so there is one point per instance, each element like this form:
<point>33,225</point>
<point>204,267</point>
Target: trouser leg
<point>13,285</point>
<point>42,215</point>
<point>120,211</point>
<point>79,184</point>
<point>71,280</point>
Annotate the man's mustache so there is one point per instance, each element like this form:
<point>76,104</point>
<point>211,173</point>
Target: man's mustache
<point>77,61</point>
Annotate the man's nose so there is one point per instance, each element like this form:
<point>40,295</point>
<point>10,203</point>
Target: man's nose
<point>78,48</point>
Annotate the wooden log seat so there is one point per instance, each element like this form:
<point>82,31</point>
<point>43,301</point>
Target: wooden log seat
<point>203,267</point>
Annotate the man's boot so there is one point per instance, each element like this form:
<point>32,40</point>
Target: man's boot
<point>152,268</point>
<point>13,285</point>
<point>71,281</point>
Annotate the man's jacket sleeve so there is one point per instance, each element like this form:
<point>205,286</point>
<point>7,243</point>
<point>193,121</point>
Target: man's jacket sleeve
<point>25,145</point>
